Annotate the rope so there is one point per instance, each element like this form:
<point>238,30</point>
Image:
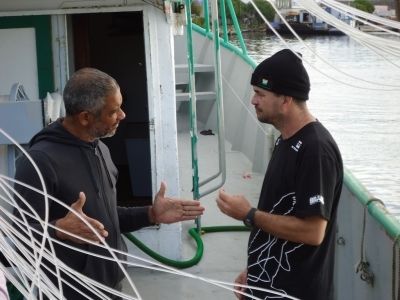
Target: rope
<point>374,45</point>
<point>363,265</point>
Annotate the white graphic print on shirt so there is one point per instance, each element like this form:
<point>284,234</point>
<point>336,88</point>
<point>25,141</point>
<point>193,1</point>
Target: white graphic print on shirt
<point>272,256</point>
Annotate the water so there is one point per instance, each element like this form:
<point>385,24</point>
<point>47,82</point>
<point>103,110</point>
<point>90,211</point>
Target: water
<point>365,123</point>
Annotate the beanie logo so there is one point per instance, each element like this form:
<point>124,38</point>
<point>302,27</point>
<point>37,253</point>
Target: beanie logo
<point>264,82</point>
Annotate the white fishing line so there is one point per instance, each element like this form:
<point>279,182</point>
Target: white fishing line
<point>356,12</point>
<point>45,222</point>
<point>377,43</point>
<point>46,212</point>
<point>379,86</point>
<point>37,218</point>
<point>31,263</point>
<point>359,19</point>
<point>160,266</point>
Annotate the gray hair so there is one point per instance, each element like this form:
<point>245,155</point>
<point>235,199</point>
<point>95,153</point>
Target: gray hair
<point>86,90</point>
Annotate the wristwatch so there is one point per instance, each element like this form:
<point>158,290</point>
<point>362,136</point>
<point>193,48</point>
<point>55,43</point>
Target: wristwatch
<point>249,219</point>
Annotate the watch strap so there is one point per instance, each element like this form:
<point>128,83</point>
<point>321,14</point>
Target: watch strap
<point>249,219</point>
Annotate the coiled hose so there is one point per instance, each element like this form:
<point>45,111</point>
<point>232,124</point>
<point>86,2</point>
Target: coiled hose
<point>195,235</point>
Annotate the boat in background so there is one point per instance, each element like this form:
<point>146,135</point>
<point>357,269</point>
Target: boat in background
<point>169,81</point>
<point>304,23</point>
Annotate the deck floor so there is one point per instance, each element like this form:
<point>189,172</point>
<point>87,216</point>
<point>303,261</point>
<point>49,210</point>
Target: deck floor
<point>224,253</point>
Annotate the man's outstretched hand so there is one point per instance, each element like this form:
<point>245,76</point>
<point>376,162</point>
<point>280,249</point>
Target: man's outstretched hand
<point>169,210</point>
<point>73,224</point>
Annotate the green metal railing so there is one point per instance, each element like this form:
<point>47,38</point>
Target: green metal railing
<point>205,30</point>
<point>198,231</point>
<point>214,35</point>
<point>375,209</point>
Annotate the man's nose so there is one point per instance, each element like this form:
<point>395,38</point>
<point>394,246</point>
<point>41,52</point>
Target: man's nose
<point>122,115</point>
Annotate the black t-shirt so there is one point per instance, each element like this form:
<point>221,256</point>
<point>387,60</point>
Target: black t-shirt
<point>304,178</point>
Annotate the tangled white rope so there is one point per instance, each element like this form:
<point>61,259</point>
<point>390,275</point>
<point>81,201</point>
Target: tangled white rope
<point>32,261</point>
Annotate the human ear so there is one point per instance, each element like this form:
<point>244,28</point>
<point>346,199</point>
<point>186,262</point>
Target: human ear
<point>84,118</point>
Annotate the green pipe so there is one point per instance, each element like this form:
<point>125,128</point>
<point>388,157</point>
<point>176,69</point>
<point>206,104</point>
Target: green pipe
<point>227,45</point>
<point>236,26</point>
<point>223,20</point>
<point>380,214</point>
<point>195,235</point>
<point>192,102</point>
<point>206,16</point>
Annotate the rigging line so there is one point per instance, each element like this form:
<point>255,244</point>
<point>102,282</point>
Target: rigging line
<point>32,216</point>
<point>21,237</point>
<point>10,251</point>
<point>47,196</point>
<point>321,13</point>
<point>214,282</point>
<point>211,281</point>
<point>27,257</point>
<point>13,256</point>
<point>63,267</point>
<point>260,126</point>
<point>46,208</point>
<point>329,18</point>
<point>21,263</point>
<point>309,48</point>
<point>349,30</point>
<point>360,19</point>
<point>3,185</point>
<point>155,4</point>
<point>354,11</point>
<point>42,247</point>
<point>372,46</point>
<point>47,254</point>
<point>346,28</point>
<point>379,54</point>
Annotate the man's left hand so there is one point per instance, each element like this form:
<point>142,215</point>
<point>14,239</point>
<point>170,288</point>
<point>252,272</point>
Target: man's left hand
<point>169,210</point>
<point>235,206</point>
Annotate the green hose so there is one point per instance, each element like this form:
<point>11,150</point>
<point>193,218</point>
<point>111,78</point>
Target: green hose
<point>195,235</point>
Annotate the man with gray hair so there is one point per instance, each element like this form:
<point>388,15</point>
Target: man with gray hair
<point>78,170</point>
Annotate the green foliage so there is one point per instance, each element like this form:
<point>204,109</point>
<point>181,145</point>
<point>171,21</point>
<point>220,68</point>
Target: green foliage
<point>198,20</point>
<point>364,5</point>
<point>266,9</point>
<point>197,8</point>
<point>247,15</point>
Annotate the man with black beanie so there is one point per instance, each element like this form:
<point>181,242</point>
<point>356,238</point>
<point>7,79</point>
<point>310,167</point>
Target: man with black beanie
<point>292,242</point>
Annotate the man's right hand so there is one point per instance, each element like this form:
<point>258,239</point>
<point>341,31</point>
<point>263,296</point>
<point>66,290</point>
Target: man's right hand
<point>73,224</point>
<point>241,279</point>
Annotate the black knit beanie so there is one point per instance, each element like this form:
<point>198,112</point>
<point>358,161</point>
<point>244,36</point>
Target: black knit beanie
<point>283,73</point>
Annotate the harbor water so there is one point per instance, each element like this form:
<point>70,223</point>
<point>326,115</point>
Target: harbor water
<point>363,117</point>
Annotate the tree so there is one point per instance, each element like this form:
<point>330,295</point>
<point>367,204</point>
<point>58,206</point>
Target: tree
<point>364,5</point>
<point>266,9</point>
<point>246,12</point>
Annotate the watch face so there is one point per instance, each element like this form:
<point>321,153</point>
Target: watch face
<point>247,222</point>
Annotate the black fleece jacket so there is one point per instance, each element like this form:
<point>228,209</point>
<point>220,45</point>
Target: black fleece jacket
<point>70,165</point>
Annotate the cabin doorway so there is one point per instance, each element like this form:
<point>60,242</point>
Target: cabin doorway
<point>114,43</point>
